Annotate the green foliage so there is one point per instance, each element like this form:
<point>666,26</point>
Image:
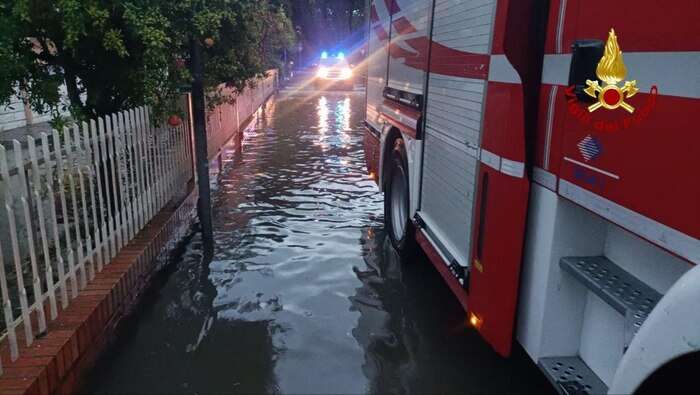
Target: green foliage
<point>114,54</point>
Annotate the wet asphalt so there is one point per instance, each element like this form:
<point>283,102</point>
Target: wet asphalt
<point>303,293</point>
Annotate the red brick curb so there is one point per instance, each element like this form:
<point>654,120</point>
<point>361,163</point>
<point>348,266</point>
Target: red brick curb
<point>54,363</point>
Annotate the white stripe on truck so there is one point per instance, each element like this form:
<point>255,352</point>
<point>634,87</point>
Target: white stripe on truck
<point>506,166</point>
<point>500,70</point>
<point>681,78</point>
<point>560,25</point>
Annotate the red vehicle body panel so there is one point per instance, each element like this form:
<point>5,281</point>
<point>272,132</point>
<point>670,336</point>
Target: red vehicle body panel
<point>500,220</point>
<point>493,291</point>
<point>634,167</point>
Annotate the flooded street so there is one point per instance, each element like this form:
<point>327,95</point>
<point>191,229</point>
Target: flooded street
<point>304,293</point>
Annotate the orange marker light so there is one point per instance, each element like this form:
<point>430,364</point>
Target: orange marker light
<point>475,321</point>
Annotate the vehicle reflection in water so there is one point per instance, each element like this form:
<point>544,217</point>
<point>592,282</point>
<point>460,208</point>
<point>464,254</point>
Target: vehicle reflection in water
<point>303,293</point>
<point>323,115</point>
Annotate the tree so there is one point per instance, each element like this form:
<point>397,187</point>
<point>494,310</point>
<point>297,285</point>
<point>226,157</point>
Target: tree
<point>115,54</point>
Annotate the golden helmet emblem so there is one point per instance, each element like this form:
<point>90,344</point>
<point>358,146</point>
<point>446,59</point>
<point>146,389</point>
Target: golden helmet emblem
<point>611,70</point>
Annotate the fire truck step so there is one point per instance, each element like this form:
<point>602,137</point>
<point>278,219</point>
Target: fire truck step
<point>624,292</point>
<point>570,375</point>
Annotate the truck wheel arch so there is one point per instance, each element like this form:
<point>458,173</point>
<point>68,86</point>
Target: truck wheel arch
<point>669,334</point>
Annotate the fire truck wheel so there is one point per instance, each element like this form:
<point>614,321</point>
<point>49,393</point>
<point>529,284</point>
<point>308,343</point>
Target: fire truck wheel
<point>396,202</point>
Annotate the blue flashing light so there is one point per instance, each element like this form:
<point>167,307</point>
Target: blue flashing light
<point>341,55</point>
<point>324,55</point>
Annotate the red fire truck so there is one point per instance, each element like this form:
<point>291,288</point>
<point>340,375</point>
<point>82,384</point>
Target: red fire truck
<point>545,156</point>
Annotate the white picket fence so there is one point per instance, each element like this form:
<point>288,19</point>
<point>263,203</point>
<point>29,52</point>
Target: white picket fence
<point>72,200</point>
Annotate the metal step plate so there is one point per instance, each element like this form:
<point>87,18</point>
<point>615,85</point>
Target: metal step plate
<point>624,292</point>
<point>570,375</point>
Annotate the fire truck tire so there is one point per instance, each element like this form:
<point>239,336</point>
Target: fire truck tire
<point>396,202</point>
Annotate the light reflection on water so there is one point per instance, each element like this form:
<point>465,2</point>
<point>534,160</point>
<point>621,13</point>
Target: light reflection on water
<point>303,294</point>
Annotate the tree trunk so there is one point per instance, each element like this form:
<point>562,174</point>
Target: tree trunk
<point>73,91</point>
<point>200,143</point>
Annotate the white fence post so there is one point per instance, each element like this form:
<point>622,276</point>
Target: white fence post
<point>29,228</point>
<point>122,176</point>
<point>115,226</point>
<point>24,305</point>
<point>148,142</point>
<point>50,286</point>
<point>7,310</point>
<point>103,171</point>
<point>85,171</point>
<point>80,264</point>
<point>60,263</point>
<point>64,212</point>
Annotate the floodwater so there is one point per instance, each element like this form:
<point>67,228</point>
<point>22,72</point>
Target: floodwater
<point>304,293</point>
